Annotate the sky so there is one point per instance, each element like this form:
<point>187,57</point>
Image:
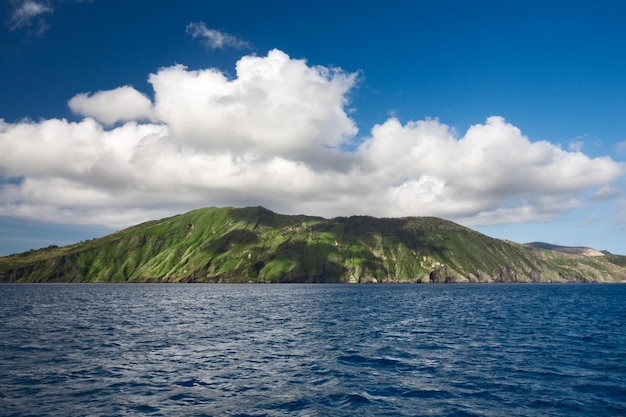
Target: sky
<point>504,116</point>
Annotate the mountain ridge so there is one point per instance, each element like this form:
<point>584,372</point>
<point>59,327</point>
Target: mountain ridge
<point>576,250</point>
<point>254,244</point>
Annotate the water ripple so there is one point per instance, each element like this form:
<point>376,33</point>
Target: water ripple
<point>312,350</point>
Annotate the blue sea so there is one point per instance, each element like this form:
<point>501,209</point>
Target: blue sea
<point>312,350</point>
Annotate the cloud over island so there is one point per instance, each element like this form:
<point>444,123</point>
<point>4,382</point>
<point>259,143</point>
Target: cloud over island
<point>277,134</point>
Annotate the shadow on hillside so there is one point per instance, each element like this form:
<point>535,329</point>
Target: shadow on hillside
<point>230,240</point>
<point>393,230</point>
<point>312,262</point>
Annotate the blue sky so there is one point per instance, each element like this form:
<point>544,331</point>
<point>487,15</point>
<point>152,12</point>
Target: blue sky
<point>503,116</point>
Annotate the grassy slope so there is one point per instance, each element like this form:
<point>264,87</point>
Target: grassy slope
<point>254,244</point>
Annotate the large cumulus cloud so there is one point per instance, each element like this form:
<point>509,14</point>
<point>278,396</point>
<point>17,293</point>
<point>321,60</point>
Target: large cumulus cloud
<point>274,135</point>
<point>492,174</point>
<point>275,107</point>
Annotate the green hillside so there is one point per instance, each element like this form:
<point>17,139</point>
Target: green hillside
<point>256,245</point>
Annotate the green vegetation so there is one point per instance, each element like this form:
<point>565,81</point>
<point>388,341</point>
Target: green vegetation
<point>256,245</point>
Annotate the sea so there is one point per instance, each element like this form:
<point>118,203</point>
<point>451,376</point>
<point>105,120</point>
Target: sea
<point>312,350</point>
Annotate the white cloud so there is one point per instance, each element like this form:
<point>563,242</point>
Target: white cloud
<point>272,135</point>
<point>29,13</point>
<point>606,193</point>
<point>32,15</point>
<point>277,106</point>
<point>620,147</point>
<point>215,39</point>
<point>491,168</point>
<point>112,106</point>
<point>576,146</point>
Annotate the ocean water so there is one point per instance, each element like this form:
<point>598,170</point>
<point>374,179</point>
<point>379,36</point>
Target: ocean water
<point>313,350</point>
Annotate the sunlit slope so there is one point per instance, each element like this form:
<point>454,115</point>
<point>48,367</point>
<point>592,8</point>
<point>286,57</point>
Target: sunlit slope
<point>256,245</point>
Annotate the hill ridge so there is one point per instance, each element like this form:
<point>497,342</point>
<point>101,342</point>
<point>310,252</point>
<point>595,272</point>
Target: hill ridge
<point>575,250</point>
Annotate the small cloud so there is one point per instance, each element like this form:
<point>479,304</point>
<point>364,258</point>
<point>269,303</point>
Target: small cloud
<point>29,13</point>
<point>576,146</point>
<point>32,15</point>
<point>620,147</point>
<point>606,193</point>
<point>109,107</point>
<point>215,39</point>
